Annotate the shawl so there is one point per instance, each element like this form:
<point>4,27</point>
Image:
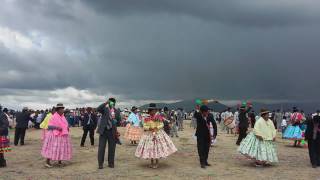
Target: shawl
<point>153,122</point>
<point>296,117</point>
<point>61,122</point>
<point>134,119</point>
<point>45,122</point>
<point>265,129</point>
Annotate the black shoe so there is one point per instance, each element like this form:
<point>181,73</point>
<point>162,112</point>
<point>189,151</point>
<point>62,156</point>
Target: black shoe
<point>314,166</point>
<point>118,142</point>
<point>3,164</point>
<point>207,164</point>
<point>100,166</point>
<point>111,165</point>
<point>203,166</point>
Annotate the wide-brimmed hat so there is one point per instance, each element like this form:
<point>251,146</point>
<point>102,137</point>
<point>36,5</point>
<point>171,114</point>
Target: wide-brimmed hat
<point>134,108</point>
<point>59,105</point>
<point>264,111</point>
<point>204,108</point>
<point>152,106</point>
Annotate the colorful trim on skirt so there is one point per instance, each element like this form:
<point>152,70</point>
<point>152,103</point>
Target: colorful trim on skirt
<point>256,149</point>
<point>293,133</point>
<point>4,144</point>
<point>155,146</point>
<point>57,148</point>
<point>133,133</point>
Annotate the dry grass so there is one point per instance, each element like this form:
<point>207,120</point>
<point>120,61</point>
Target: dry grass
<point>26,163</point>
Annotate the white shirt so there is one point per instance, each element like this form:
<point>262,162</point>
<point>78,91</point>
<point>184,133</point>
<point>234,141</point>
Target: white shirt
<point>284,123</point>
<point>236,116</point>
<point>226,115</point>
<point>39,118</point>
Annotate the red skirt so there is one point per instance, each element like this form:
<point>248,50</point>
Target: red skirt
<point>4,144</point>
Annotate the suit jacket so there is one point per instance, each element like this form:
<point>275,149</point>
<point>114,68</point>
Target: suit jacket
<point>93,123</point>
<point>203,125</point>
<point>243,120</point>
<point>22,119</point>
<point>106,122</point>
<point>309,130</point>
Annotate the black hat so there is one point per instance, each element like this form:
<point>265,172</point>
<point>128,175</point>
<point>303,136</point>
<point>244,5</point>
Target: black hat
<point>165,109</point>
<point>204,108</point>
<point>112,100</point>
<point>152,106</point>
<point>134,108</point>
<point>5,110</point>
<point>264,111</point>
<point>59,105</point>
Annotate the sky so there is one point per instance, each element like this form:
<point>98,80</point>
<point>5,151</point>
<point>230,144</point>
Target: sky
<point>80,52</point>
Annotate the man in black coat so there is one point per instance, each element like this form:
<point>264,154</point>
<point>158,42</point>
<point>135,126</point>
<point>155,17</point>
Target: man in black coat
<point>204,118</point>
<point>243,123</point>
<point>22,120</point>
<point>108,131</point>
<point>89,125</point>
<point>312,135</point>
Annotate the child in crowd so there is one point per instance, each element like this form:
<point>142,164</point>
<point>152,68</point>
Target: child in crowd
<point>283,125</point>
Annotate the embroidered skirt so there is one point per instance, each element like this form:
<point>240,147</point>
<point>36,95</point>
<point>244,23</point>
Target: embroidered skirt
<point>133,133</point>
<point>155,146</point>
<point>256,149</point>
<point>57,148</point>
<point>4,144</point>
<point>293,133</point>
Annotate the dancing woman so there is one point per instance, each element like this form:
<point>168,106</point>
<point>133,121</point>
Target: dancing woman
<point>154,143</point>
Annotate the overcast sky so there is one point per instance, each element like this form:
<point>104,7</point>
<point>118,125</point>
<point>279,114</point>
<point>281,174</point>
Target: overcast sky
<point>82,51</point>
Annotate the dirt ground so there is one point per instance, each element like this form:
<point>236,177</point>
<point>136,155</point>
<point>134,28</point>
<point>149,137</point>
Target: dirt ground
<point>26,163</point>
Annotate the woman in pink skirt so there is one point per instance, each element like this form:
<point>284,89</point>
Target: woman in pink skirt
<point>154,143</point>
<point>57,144</point>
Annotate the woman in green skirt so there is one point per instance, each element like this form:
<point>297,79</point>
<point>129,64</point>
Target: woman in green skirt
<point>259,144</point>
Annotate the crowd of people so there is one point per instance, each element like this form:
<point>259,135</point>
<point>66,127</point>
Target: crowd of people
<point>151,131</point>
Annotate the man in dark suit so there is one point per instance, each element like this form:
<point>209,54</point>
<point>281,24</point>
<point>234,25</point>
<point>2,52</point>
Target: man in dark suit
<point>204,118</point>
<point>243,123</point>
<point>89,125</point>
<point>107,130</point>
<point>22,121</point>
<point>312,135</point>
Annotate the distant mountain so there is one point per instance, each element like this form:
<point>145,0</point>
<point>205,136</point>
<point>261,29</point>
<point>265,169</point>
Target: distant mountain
<point>307,107</point>
<point>188,105</point>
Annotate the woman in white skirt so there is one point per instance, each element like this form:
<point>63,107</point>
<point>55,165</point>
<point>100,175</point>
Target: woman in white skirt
<point>154,143</point>
<point>259,145</point>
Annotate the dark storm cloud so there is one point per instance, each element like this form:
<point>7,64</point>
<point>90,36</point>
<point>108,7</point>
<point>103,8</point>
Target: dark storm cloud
<point>164,49</point>
<point>243,13</point>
